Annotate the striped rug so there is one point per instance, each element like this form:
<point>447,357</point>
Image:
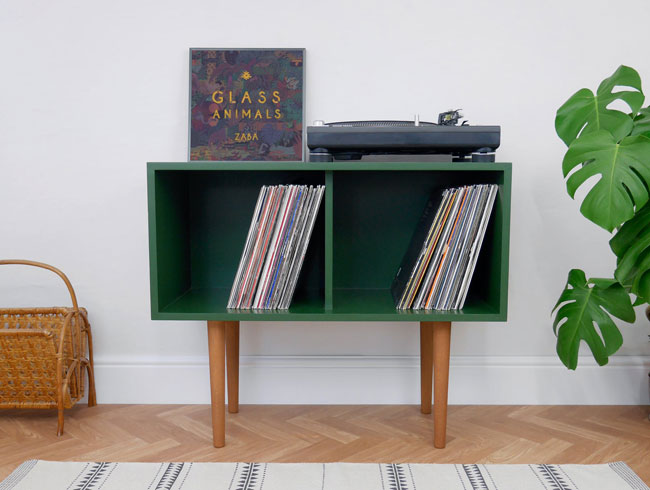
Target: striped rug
<point>36,475</point>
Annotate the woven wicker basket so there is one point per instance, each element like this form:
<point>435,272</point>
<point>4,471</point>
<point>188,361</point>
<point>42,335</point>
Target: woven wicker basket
<point>43,354</point>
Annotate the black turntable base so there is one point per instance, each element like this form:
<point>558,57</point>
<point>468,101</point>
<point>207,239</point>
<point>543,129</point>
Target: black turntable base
<point>353,139</point>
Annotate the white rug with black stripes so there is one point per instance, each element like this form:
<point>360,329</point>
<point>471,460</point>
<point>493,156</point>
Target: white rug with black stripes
<point>36,475</point>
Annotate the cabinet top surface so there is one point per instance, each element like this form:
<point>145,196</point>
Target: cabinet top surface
<point>337,166</point>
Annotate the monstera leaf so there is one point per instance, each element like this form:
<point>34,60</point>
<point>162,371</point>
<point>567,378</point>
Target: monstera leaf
<point>624,170</point>
<point>585,112</point>
<point>642,122</point>
<point>584,305</point>
<point>632,247</point>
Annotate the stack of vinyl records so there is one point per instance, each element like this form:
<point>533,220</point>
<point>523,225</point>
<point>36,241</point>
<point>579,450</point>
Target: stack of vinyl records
<point>275,248</point>
<point>437,269</point>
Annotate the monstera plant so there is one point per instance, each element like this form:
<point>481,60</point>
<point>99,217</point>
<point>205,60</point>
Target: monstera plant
<point>613,146</point>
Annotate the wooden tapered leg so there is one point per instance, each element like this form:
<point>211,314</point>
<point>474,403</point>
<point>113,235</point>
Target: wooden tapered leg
<point>441,345</point>
<point>232,360</point>
<point>217,351</point>
<point>426,365</point>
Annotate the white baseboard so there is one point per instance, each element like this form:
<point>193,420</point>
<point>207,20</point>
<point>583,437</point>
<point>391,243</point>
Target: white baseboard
<point>378,380</point>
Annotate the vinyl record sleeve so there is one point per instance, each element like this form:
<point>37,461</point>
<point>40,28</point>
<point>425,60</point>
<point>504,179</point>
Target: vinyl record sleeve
<point>246,104</point>
<point>288,252</point>
<point>417,250</point>
<point>467,243</point>
<point>456,247</point>
<point>305,238</point>
<point>474,253</point>
<point>442,253</point>
<point>292,261</point>
<point>248,248</point>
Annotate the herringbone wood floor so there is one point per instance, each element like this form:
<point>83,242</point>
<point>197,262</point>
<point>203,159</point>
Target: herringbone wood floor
<point>476,434</point>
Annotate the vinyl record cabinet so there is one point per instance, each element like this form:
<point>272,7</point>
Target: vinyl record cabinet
<point>199,215</point>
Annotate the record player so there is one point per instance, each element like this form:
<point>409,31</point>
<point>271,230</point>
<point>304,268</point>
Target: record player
<point>351,140</point>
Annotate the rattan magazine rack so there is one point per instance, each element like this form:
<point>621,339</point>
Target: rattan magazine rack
<point>45,353</point>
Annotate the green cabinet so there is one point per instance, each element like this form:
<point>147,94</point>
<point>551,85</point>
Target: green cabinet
<point>199,214</point>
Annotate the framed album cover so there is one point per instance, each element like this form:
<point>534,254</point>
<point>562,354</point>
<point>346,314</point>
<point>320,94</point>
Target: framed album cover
<point>246,104</point>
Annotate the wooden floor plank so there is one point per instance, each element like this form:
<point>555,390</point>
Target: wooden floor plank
<point>476,434</point>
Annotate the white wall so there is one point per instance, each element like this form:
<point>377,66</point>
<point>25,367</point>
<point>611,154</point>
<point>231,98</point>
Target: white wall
<point>90,91</point>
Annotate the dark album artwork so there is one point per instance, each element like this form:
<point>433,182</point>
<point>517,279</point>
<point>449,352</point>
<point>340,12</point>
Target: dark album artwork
<point>246,104</point>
